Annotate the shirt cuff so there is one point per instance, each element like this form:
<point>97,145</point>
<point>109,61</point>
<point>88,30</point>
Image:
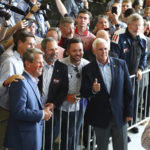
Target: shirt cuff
<point>43,115</point>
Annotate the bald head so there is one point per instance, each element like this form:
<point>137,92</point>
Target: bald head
<point>103,34</point>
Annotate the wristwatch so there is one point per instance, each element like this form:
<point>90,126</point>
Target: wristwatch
<point>117,25</point>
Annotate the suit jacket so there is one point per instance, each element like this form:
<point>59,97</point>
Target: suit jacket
<point>25,125</point>
<point>58,88</point>
<point>103,105</point>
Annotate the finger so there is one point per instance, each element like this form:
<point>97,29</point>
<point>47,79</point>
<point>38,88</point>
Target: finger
<point>95,80</point>
<point>15,80</point>
<point>46,105</point>
<point>20,77</point>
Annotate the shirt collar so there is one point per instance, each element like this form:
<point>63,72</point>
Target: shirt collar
<point>47,65</point>
<point>85,33</point>
<point>35,80</point>
<point>17,55</point>
<point>100,64</point>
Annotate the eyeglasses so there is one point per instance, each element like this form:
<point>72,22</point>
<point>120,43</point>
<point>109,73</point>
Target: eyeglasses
<point>77,71</point>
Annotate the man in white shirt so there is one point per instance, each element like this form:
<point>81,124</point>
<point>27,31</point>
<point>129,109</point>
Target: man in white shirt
<point>75,62</point>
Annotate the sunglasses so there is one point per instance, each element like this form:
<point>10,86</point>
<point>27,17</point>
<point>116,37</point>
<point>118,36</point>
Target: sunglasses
<point>77,71</point>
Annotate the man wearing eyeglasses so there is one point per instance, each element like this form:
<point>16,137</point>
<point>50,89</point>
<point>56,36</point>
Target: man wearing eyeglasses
<point>71,107</point>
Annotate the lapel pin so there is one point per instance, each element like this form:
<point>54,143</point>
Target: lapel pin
<point>114,66</point>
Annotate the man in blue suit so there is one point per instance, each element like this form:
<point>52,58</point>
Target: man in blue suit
<point>106,84</point>
<point>25,124</point>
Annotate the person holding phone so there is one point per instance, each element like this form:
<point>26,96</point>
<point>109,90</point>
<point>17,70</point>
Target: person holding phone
<point>114,14</point>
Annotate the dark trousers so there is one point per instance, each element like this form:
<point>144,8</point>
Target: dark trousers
<point>119,136</point>
<point>4,114</point>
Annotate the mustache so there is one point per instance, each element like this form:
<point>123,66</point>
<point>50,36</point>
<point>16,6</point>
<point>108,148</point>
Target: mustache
<point>50,57</point>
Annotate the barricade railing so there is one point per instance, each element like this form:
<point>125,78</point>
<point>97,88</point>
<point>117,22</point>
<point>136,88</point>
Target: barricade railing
<point>141,114</point>
<point>83,138</point>
<point>141,99</point>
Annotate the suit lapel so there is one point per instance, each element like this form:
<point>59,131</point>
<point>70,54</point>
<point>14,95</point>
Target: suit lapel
<point>55,70</point>
<point>34,87</point>
<point>99,76</point>
<point>113,73</point>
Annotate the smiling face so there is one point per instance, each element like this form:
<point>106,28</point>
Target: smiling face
<point>51,52</point>
<point>75,52</point>
<point>101,52</point>
<point>35,67</point>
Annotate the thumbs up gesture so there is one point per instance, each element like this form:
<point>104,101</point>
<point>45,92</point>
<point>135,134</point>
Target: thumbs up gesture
<point>96,86</point>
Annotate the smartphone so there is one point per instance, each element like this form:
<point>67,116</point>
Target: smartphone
<point>114,10</point>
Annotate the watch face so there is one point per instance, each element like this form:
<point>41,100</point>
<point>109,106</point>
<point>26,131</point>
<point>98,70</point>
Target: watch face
<point>117,25</point>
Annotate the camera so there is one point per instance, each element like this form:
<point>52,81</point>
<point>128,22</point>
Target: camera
<point>5,14</point>
<point>114,10</point>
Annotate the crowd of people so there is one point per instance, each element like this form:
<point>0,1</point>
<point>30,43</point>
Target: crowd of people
<point>62,68</point>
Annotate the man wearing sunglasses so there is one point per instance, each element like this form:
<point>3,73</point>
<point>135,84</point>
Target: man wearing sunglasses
<point>71,108</point>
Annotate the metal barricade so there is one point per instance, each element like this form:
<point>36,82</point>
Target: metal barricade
<point>141,114</point>
<point>141,99</point>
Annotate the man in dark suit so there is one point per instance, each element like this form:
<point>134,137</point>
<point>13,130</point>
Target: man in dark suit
<point>106,83</point>
<point>53,86</point>
<point>25,125</point>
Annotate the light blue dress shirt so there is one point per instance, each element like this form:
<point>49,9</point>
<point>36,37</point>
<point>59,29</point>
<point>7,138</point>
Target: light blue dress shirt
<point>106,74</point>
<point>47,75</point>
<point>12,65</point>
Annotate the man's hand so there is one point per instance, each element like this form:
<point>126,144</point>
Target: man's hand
<point>22,24</point>
<point>51,106</point>
<point>96,86</point>
<point>86,4</point>
<point>128,119</point>
<point>14,78</point>
<point>139,74</point>
<point>47,114</point>
<point>5,22</point>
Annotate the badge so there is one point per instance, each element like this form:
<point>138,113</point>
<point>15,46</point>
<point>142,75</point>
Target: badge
<point>125,50</point>
<point>56,81</point>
